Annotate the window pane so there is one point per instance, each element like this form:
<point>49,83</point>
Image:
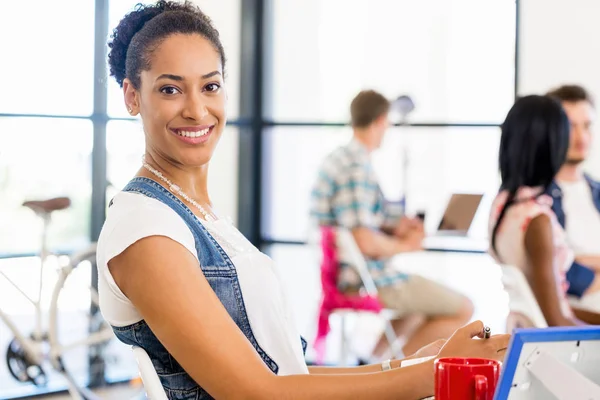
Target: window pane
<point>125,146</point>
<point>223,174</point>
<point>292,157</point>
<point>48,63</point>
<point>226,17</point>
<point>441,161</point>
<point>456,59</point>
<point>47,158</point>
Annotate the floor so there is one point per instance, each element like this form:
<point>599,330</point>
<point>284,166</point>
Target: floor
<point>475,275</point>
<point>118,392</point>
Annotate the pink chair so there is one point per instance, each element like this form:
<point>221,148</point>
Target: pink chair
<point>333,300</point>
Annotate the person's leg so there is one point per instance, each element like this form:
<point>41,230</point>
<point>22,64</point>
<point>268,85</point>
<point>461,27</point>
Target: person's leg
<point>444,309</point>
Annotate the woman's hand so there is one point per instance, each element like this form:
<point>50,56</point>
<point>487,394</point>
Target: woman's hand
<point>463,343</point>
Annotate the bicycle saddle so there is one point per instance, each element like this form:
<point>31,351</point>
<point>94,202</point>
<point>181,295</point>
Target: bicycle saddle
<point>47,206</point>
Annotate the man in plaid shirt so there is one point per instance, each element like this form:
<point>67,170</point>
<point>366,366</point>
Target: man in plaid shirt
<point>347,195</point>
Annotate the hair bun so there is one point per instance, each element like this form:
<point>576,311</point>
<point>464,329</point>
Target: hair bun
<point>122,35</point>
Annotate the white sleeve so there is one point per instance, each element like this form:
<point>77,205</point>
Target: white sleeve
<point>146,222</point>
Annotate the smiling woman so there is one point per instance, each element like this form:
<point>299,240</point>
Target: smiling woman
<point>179,280</point>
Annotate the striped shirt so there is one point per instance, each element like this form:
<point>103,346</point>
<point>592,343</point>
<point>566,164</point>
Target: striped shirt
<point>347,194</point>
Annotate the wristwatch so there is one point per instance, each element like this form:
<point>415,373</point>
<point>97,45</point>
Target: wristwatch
<point>386,365</point>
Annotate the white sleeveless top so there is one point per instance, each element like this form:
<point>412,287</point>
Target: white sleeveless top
<point>134,216</point>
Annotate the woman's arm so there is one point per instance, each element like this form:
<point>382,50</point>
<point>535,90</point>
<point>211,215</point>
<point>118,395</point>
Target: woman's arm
<point>541,273</point>
<point>461,344</point>
<point>592,261</point>
<point>365,369</point>
<point>587,316</point>
<point>431,350</point>
<point>163,281</point>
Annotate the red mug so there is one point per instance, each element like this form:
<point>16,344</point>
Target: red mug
<point>466,378</point>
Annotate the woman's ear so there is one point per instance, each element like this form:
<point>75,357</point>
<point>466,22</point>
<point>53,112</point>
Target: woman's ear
<point>131,96</point>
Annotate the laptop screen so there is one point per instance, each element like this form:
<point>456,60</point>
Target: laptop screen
<point>460,212</point>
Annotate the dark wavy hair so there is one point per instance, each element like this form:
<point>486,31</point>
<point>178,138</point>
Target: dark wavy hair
<point>533,147</point>
<point>141,31</point>
<point>571,94</point>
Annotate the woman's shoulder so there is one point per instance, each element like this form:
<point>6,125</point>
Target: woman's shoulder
<point>527,203</point>
<point>139,208</point>
<point>133,216</point>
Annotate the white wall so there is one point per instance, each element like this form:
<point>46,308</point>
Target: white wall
<point>559,44</point>
<point>223,174</point>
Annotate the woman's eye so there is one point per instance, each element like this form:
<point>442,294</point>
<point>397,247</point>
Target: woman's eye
<point>212,87</point>
<point>170,90</point>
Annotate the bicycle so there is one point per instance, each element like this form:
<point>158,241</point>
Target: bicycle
<point>26,354</point>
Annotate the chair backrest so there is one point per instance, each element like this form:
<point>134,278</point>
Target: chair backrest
<point>150,379</point>
<point>347,242</point>
<point>329,259</point>
<point>521,297</point>
<point>333,298</point>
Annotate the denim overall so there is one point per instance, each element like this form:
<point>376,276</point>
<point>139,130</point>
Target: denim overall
<point>222,277</point>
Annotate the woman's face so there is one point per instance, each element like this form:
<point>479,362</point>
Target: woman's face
<point>181,100</point>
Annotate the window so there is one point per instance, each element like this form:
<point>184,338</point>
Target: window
<point>47,127</point>
<point>47,57</point>
<point>440,162</point>
<point>125,148</point>
<point>42,158</point>
<point>286,189</point>
<point>456,59</point>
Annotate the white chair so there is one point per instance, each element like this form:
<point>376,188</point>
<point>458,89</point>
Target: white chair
<point>521,298</point>
<point>348,245</point>
<point>152,385</point>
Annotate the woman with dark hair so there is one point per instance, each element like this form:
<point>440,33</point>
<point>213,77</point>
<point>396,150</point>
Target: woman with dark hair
<point>523,229</point>
<point>182,282</point>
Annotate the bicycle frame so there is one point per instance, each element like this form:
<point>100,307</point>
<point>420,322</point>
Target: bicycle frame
<point>33,346</point>
<point>28,344</point>
<point>93,338</point>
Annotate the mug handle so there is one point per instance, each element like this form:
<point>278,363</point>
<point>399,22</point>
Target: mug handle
<point>481,387</point>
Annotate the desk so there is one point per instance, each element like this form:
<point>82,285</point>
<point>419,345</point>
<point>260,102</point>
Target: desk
<point>456,244</point>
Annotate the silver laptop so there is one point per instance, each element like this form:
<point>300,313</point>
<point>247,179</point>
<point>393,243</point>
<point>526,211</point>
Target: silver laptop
<point>459,214</point>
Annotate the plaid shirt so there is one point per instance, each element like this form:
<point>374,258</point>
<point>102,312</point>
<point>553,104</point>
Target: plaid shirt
<point>347,194</point>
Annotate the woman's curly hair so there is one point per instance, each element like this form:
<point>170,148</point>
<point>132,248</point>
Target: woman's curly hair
<point>141,31</point>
